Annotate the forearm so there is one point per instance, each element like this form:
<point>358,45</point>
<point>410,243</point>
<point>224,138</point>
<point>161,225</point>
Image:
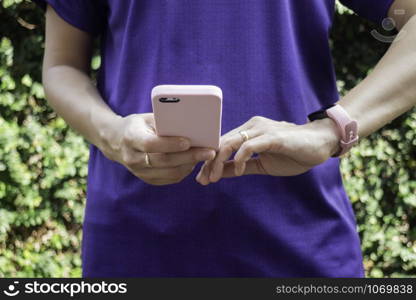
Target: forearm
<point>390,90</point>
<point>74,97</point>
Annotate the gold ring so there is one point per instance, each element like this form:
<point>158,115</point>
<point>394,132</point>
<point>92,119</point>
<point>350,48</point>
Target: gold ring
<point>245,136</point>
<point>147,159</point>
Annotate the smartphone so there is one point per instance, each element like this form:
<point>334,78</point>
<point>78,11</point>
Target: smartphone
<point>191,111</point>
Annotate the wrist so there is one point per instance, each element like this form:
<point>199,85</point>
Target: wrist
<point>347,128</point>
<point>328,133</point>
<point>107,128</point>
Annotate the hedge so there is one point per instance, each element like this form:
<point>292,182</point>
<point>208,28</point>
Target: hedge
<point>43,164</point>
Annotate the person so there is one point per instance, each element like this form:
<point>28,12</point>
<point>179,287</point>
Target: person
<point>157,207</point>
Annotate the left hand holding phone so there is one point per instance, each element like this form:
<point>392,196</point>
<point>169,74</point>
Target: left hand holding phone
<point>156,160</point>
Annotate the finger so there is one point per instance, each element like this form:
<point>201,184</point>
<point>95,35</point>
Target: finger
<point>170,174</point>
<point>203,175</point>
<point>252,166</point>
<point>166,144</point>
<point>141,136</point>
<point>191,156</point>
<point>199,175</point>
<point>247,125</point>
<point>229,145</point>
<point>259,144</point>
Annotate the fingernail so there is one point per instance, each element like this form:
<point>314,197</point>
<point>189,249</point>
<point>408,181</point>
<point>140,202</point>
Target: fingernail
<point>200,180</point>
<point>206,155</point>
<point>184,144</point>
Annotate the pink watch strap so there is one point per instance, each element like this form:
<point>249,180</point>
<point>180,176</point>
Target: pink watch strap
<point>347,126</point>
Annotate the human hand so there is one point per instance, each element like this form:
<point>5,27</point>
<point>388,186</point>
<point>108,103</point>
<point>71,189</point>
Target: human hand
<point>170,159</point>
<point>284,149</point>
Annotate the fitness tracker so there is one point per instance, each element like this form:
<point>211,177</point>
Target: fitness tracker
<point>348,127</point>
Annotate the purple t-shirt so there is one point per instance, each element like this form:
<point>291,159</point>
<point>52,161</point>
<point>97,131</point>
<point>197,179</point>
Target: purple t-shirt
<point>271,58</point>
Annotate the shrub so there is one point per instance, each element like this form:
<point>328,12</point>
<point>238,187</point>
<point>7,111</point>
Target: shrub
<point>43,164</point>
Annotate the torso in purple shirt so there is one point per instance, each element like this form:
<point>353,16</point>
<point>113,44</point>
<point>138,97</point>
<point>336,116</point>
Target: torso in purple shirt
<point>271,58</point>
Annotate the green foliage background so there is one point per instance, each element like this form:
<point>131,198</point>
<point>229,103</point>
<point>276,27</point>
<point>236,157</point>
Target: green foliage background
<point>43,164</point>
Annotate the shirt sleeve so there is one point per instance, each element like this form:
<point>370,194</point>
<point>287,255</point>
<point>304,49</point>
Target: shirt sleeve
<point>86,15</point>
<point>374,10</point>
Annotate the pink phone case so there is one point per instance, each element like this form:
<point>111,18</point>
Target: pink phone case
<point>192,111</point>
